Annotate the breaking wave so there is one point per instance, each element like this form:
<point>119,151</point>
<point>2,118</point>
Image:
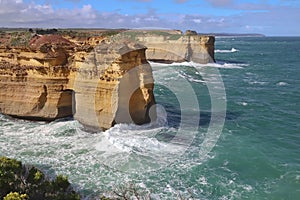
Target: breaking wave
<point>232,50</point>
<point>218,64</point>
<point>282,83</point>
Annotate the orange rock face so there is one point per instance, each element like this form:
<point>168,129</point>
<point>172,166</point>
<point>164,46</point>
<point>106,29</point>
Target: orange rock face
<point>99,80</point>
<point>114,84</point>
<point>100,84</point>
<point>196,48</point>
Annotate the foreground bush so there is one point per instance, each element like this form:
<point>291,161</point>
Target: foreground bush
<point>18,181</point>
<point>15,196</point>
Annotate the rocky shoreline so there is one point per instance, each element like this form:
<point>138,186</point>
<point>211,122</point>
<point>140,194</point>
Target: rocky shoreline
<point>99,77</point>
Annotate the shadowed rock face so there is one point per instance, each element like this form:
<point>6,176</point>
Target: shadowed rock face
<point>99,80</point>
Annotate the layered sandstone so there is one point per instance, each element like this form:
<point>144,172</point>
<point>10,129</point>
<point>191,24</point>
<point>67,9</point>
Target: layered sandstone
<point>33,79</point>
<point>99,80</point>
<point>168,47</point>
<point>55,76</point>
<point>113,85</point>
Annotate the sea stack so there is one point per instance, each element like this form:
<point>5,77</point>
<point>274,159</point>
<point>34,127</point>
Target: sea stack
<point>113,85</point>
<point>98,77</point>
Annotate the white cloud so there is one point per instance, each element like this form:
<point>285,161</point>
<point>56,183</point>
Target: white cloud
<point>136,20</point>
<point>281,20</point>
<point>46,9</point>
<point>151,18</point>
<point>13,14</point>
<point>198,21</point>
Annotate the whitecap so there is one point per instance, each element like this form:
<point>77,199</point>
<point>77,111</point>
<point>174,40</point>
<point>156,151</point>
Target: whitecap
<point>248,188</point>
<point>232,50</point>
<point>202,180</point>
<point>189,77</point>
<point>243,103</point>
<point>227,65</point>
<point>125,144</point>
<point>282,83</point>
<point>157,64</point>
<point>257,82</point>
<point>223,65</point>
<point>218,64</point>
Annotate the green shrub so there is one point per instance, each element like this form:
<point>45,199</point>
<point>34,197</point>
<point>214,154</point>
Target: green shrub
<point>18,181</point>
<point>10,171</point>
<point>20,39</point>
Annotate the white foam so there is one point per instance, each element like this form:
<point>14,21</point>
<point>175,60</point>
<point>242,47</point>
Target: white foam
<point>156,64</point>
<point>232,50</point>
<point>202,180</point>
<point>248,188</point>
<point>52,146</point>
<point>124,143</point>
<point>62,147</point>
<point>218,64</point>
<point>223,65</point>
<point>243,103</point>
<point>189,77</point>
<point>282,83</point>
<point>257,82</point>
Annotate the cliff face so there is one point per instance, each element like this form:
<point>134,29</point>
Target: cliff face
<point>99,80</point>
<point>55,77</point>
<point>171,47</point>
<point>113,85</point>
<point>34,92</point>
<point>33,80</point>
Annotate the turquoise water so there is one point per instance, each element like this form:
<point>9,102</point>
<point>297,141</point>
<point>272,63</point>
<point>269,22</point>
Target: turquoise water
<point>256,155</point>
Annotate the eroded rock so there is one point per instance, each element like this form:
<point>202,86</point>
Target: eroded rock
<point>114,85</point>
<point>179,48</point>
<point>97,79</point>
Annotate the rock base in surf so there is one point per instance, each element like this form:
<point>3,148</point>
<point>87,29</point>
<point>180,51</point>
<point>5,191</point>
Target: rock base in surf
<point>98,79</point>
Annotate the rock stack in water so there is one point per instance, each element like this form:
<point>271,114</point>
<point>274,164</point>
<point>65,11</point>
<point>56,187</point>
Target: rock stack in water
<point>97,79</point>
<point>114,85</point>
<point>53,77</point>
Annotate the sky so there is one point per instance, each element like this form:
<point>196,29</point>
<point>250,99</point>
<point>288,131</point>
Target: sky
<point>269,17</point>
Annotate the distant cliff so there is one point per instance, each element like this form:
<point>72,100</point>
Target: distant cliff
<point>174,46</point>
<point>95,76</point>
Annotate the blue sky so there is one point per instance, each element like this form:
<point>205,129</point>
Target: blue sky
<point>270,17</point>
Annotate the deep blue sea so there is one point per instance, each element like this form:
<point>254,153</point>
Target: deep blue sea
<point>229,130</point>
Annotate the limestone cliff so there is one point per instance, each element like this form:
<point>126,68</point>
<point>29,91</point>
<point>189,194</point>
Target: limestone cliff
<point>113,85</point>
<point>168,47</point>
<point>98,79</point>
<point>54,76</point>
<point>33,79</point>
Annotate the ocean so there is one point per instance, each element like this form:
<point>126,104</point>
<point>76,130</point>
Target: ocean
<point>229,130</point>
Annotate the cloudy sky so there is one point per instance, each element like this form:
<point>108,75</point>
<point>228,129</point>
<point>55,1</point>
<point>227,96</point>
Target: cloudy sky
<point>270,17</point>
